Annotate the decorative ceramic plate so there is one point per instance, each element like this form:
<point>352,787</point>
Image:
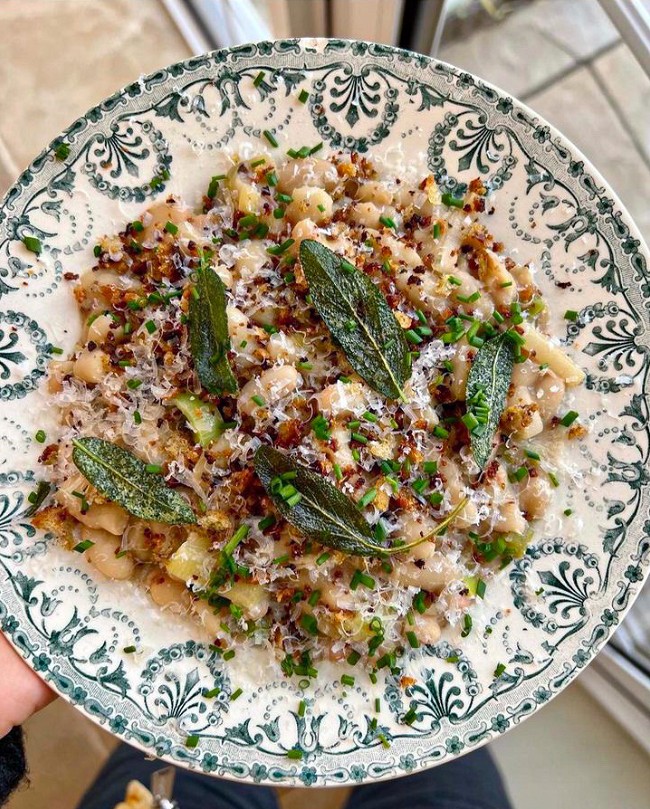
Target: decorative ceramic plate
<point>160,135</point>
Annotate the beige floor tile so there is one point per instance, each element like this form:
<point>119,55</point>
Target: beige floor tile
<point>64,751</point>
<point>514,55</point>
<point>579,109</point>
<point>572,756</point>
<point>59,57</point>
<point>581,27</point>
<point>629,89</point>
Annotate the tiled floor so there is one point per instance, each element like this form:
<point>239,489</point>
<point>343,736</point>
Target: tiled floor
<point>563,58</point>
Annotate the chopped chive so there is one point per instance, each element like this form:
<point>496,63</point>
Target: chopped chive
<point>323,558</point>
<point>258,400</point>
<point>321,207</point>
<point>269,329</point>
<point>451,201</point>
<point>40,436</point>
<point>520,474</point>
<point>571,314</point>
<point>368,416</point>
<point>356,454</point>
<point>436,230</point>
<point>568,512</point>
<point>281,560</point>
<point>480,588</point>
<point>192,741</point>
<point>554,479</point>
<point>316,148</point>
<point>388,222</point>
<point>266,522</point>
<point>304,366</point>
<point>279,249</point>
<point>294,753</point>
<point>171,228</point>
<point>373,677</point>
<point>353,658</point>
<point>420,485</point>
<point>498,317</point>
<point>285,198</point>
<point>229,654</point>
<point>412,639</point>
<point>133,384</point>
<point>270,137</point>
<point>33,244</point>
<point>259,162</point>
<point>440,432</point>
<point>272,179</point>
<point>470,421</point>
<point>154,468</point>
<point>347,679</point>
<point>367,498</point>
<point>505,285</point>
<point>419,603</point>
<point>212,693</point>
<point>469,298</point>
<point>314,598</point>
<point>236,694</point>
<point>412,336</point>
<point>498,671</point>
<point>384,741</point>
<point>435,498</point>
<point>258,79</point>
<point>309,624</point>
<point>304,95</point>
<point>467,625</point>
<point>278,213</point>
<point>534,456</point>
<point>137,417</point>
<point>430,467</point>
<point>82,547</point>
<point>569,418</point>
<point>410,716</point>
<point>97,251</point>
<point>150,326</point>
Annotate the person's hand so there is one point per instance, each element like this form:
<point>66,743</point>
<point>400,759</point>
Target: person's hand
<point>22,692</point>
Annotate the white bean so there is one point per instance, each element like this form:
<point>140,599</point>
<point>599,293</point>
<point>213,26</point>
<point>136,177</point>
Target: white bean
<point>108,516</point>
<point>310,171</point>
<point>549,394</point>
<point>310,203</point>
<point>167,593</point>
<point>103,554</point>
<point>534,497</point>
<point>91,366</point>
<point>271,385</point>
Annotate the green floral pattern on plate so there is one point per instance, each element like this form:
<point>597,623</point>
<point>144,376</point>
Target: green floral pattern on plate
<point>562,600</point>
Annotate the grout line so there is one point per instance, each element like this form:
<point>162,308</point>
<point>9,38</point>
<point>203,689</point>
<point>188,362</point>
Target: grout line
<point>618,112</point>
<point>563,74</point>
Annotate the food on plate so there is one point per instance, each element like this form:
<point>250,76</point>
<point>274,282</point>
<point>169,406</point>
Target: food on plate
<point>320,413</point>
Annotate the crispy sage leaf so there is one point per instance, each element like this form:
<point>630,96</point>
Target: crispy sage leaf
<point>487,387</point>
<point>123,478</point>
<point>209,338</point>
<point>323,512</point>
<point>359,319</point>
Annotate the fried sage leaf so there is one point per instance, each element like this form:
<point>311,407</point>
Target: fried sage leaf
<point>359,319</point>
<point>321,511</point>
<point>209,337</point>
<point>487,387</point>
<point>123,478</point>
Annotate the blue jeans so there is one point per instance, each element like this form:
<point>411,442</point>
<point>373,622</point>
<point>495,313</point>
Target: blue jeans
<point>470,782</point>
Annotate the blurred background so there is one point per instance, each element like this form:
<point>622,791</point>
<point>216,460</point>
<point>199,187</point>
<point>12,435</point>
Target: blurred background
<point>583,65</point>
